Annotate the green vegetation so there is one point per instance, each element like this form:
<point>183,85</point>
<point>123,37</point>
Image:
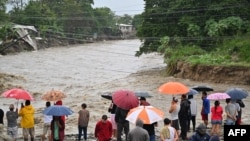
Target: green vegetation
<point>198,32</point>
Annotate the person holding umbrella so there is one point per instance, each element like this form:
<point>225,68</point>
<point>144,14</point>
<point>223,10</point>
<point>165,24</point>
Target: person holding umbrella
<point>112,109</point>
<point>174,110</point>
<point>216,118</point>
<point>46,126</point>
<point>12,117</point>
<point>57,128</point>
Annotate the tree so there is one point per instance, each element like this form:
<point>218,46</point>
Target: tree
<point>3,15</point>
<point>185,22</point>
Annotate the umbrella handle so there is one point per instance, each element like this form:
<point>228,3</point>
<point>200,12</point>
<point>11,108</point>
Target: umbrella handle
<point>17,103</point>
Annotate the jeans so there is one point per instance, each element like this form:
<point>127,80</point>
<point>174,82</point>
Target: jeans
<point>122,127</point>
<point>152,138</point>
<point>230,122</point>
<point>80,130</point>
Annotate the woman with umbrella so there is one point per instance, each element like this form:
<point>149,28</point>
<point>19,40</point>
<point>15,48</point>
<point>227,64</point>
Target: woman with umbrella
<point>216,118</point>
<point>57,128</point>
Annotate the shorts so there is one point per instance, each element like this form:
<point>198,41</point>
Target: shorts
<point>204,117</point>
<point>28,131</point>
<point>112,118</point>
<point>216,122</point>
<point>12,131</point>
<point>175,124</point>
<point>46,129</point>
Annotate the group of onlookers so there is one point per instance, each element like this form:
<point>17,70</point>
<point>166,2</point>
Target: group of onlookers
<point>180,115</point>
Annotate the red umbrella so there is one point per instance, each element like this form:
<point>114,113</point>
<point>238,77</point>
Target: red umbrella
<point>18,94</point>
<point>125,99</point>
<point>173,88</point>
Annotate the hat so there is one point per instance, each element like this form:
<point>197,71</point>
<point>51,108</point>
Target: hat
<point>12,106</point>
<point>201,129</point>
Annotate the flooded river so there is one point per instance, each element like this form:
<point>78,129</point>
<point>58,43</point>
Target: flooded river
<point>81,65</point>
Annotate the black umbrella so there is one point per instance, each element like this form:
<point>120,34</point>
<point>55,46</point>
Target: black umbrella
<point>202,88</point>
<point>107,95</point>
<point>237,93</point>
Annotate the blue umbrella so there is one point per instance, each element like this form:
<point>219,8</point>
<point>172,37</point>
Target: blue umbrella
<point>192,92</point>
<point>237,93</point>
<point>57,110</point>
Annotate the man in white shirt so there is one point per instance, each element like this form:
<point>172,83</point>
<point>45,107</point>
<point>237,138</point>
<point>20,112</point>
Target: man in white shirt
<point>46,126</point>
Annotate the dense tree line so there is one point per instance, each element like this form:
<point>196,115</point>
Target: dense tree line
<point>205,23</point>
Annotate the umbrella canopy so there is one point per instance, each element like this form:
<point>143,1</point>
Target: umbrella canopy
<point>125,99</point>
<point>148,114</point>
<point>53,95</point>
<point>192,92</point>
<point>173,88</point>
<point>107,95</point>
<point>218,96</point>
<point>237,93</point>
<point>18,93</point>
<point>57,110</point>
<point>142,94</point>
<point>201,88</point>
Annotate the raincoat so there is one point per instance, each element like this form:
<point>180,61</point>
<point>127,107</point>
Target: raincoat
<point>27,114</point>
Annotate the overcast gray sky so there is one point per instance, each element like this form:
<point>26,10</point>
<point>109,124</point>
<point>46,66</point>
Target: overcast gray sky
<point>121,7</point>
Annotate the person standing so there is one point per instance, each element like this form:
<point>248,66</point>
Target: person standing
<point>103,129</point>
<point>242,105</point>
<point>174,110</point>
<point>46,125</point>
<point>57,128</point>
<point>149,127</point>
<point>138,133</point>
<point>27,120</point>
<point>122,123</point>
<point>83,121</point>
<point>12,117</point>
<point>168,133</point>
<point>112,109</point>
<point>205,110</point>
<point>184,115</point>
<point>216,118</point>
<point>231,112</point>
<point>1,116</point>
<point>193,109</point>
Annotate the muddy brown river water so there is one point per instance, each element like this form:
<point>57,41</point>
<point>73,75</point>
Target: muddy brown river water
<point>83,72</point>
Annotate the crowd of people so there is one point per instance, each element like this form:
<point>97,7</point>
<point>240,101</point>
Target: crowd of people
<point>175,127</point>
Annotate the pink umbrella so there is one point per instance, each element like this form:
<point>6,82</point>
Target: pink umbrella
<point>125,99</point>
<point>18,93</point>
<point>218,96</point>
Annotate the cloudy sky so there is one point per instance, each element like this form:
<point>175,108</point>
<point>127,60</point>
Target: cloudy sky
<point>121,7</point>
